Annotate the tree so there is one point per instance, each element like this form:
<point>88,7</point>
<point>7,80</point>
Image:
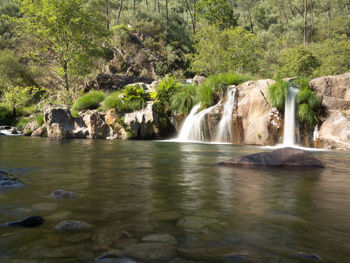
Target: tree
<point>18,96</point>
<point>219,51</point>
<point>297,62</point>
<point>217,12</point>
<point>70,31</point>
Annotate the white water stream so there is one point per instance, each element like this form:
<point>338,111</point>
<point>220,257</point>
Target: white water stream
<point>192,127</point>
<point>223,133</point>
<point>289,118</point>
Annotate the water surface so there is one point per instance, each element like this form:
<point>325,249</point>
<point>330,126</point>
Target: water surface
<point>269,215</point>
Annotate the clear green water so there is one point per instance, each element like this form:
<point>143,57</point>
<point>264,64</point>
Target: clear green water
<point>266,214</point>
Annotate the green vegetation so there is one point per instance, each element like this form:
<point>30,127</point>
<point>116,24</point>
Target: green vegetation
<point>277,94</point>
<point>184,99</point>
<point>88,101</point>
<point>17,96</point>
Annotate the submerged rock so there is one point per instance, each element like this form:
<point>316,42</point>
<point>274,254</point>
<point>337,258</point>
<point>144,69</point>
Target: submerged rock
<point>62,194</point>
<point>310,257</point>
<point>73,225</point>
<point>151,251</point>
<point>7,180</point>
<point>285,157</point>
<point>30,221</point>
<point>195,222</point>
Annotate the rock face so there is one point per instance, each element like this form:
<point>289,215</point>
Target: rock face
<point>260,123</point>
<point>96,125</point>
<point>61,124</point>
<point>285,157</point>
<point>143,124</point>
<point>334,92</point>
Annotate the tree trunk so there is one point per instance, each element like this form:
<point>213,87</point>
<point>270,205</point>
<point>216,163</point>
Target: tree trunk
<point>134,6</point>
<point>155,6</point>
<point>120,10</point>
<point>158,7</point>
<point>305,20</point>
<point>65,75</point>
<point>107,13</point>
<point>167,12</point>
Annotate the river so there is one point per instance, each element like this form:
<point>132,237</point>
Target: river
<point>126,190</point>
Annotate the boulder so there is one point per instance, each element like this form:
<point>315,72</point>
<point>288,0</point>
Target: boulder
<point>260,125</point>
<point>40,132</point>
<point>163,238</point>
<point>335,130</point>
<point>199,79</point>
<point>73,225</point>
<point>117,130</point>
<point>143,124</point>
<point>30,127</point>
<point>333,90</point>
<point>61,124</point>
<point>96,125</point>
<point>284,157</point>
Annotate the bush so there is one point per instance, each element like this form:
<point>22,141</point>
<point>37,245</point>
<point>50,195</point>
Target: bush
<point>214,86</point>
<point>277,94</point>
<point>220,51</point>
<point>307,115</point>
<point>39,118</point>
<point>184,99</point>
<point>129,99</point>
<point>22,123</point>
<point>297,61</point>
<point>88,101</point>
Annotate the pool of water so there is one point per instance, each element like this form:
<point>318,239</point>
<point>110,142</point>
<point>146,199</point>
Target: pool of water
<point>130,189</point>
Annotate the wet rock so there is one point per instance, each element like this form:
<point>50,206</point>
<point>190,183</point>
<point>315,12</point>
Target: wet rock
<point>7,180</point>
<point>306,256</point>
<point>62,194</point>
<point>164,238</point>
<point>195,222</point>
<point>40,132</point>
<point>30,127</point>
<point>150,251</point>
<point>96,125</point>
<point>285,157</point>
<point>113,256</point>
<point>44,207</point>
<point>73,225</point>
<point>79,237</point>
<point>30,221</point>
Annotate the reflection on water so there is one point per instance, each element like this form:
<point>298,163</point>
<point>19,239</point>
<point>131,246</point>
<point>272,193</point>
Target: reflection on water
<point>270,214</point>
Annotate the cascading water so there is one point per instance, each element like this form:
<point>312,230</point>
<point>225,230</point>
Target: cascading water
<point>223,133</point>
<point>192,127</point>
<point>289,117</point>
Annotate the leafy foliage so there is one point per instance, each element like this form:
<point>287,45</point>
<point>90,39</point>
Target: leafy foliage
<point>219,51</point>
<point>6,115</point>
<point>307,115</point>
<point>18,96</point>
<point>184,99</point>
<point>88,101</point>
<point>277,94</point>
<point>298,61</point>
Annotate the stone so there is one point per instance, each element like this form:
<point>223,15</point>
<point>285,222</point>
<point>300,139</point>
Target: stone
<point>113,256</point>
<point>255,114</point>
<point>29,128</point>
<point>143,124</point>
<point>62,194</point>
<point>195,222</point>
<point>7,180</point>
<point>73,225</point>
<point>284,157</point>
<point>62,252</point>
<point>165,238</point>
<point>309,257</point>
<point>61,124</point>
<point>96,125</point>
<point>30,221</point>
<point>151,251</point>
<point>78,237</point>
<point>40,132</point>
<point>199,79</point>
<point>118,130</point>
<point>335,130</point>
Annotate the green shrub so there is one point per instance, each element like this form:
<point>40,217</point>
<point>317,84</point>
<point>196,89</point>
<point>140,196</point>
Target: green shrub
<point>167,87</point>
<point>307,115</point>
<point>184,99</point>
<point>113,101</point>
<point>39,118</point>
<point>88,101</point>
<point>277,94</point>
<point>22,123</point>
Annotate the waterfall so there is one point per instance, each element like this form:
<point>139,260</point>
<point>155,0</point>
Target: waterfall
<point>192,127</point>
<point>289,117</point>
<point>223,133</point>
